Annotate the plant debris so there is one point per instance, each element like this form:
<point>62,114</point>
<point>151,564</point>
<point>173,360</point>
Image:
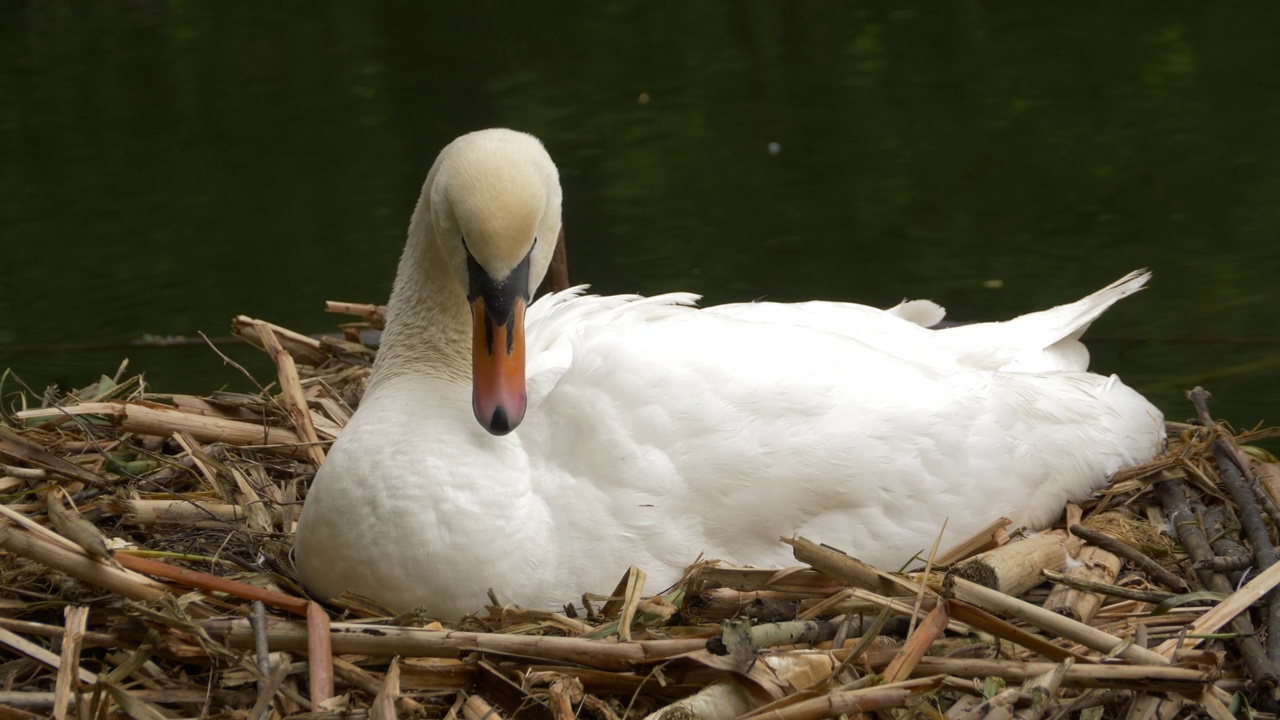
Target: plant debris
<point>145,572</point>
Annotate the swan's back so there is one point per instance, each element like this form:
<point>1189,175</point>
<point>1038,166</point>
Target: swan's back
<point>720,430</point>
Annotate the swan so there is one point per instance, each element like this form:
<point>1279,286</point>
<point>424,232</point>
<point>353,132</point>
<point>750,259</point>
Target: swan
<point>540,449</point>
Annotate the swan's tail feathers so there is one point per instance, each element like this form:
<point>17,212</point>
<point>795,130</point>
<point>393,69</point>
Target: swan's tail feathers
<point>1047,340</point>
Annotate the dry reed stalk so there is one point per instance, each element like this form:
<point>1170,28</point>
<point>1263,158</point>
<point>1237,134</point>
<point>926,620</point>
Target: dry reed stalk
<point>384,702</point>
<point>1094,565</point>
<point>16,446</point>
<point>477,708</point>
<point>357,639</point>
<point>27,539</point>
<point>349,673</point>
<point>1156,678</point>
<point>1224,612</point>
<point>189,513</point>
<point>69,662</point>
<point>1051,622</point>
<point>980,541</point>
<point>835,704</point>
<point>986,622</point>
<point>291,389</point>
<point>375,315</point>
<point>726,603</point>
<point>165,421</point>
<point>918,643</point>
<point>306,349</point>
<point>23,646</point>
<point>800,580</point>
<point>850,569</point>
<point>1015,568</point>
<point>1146,564</point>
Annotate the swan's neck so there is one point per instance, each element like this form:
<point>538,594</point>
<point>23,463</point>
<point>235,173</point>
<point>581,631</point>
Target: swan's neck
<point>428,332</point>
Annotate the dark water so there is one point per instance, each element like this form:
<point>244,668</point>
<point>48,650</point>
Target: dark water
<point>167,165</point>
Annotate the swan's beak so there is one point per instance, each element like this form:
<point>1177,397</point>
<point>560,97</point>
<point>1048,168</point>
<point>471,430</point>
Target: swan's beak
<point>497,363</point>
<point>497,344</point>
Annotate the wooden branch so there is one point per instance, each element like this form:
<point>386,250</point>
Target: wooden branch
<point>1172,494</point>
<point>1153,569</point>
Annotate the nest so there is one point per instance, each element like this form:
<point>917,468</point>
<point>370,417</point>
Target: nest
<point>145,571</point>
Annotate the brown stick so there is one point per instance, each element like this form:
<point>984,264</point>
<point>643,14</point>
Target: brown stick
<point>1172,494</point>
<point>1152,568</point>
<point>1264,555</point>
<point>213,583</point>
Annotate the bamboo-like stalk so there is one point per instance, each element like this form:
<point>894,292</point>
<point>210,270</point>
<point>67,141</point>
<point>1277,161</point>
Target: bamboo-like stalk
<point>918,643</point>
<point>980,541</point>
<point>1151,678</point>
<point>295,402</point>
<point>69,661</point>
<point>1224,612</point>
<point>1092,638</point>
<point>1095,565</point>
<point>357,639</point>
<point>164,421</point>
<point>1015,568</point>
<point>850,569</point>
<point>190,513</point>
<point>73,561</point>
<point>307,349</point>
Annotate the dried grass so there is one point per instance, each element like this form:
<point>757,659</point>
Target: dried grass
<point>145,571</point>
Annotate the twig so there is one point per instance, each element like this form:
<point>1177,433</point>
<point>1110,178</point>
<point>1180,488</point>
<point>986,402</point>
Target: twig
<point>1120,591</point>
<point>1172,494</point>
<point>1153,569</point>
<point>1264,555</point>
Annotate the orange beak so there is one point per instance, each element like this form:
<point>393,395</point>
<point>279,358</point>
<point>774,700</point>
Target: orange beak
<point>497,367</point>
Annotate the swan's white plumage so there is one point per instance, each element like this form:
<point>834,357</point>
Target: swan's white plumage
<point>656,432</point>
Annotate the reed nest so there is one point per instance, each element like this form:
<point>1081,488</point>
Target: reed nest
<point>145,572</point>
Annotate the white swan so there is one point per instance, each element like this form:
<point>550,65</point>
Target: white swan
<point>655,431</point>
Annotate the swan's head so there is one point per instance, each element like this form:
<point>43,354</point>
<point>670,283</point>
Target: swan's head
<point>495,210</point>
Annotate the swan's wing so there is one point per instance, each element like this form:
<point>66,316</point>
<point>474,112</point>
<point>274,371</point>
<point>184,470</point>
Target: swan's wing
<point>691,430</point>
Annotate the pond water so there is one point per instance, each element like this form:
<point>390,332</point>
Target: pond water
<point>167,165</point>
